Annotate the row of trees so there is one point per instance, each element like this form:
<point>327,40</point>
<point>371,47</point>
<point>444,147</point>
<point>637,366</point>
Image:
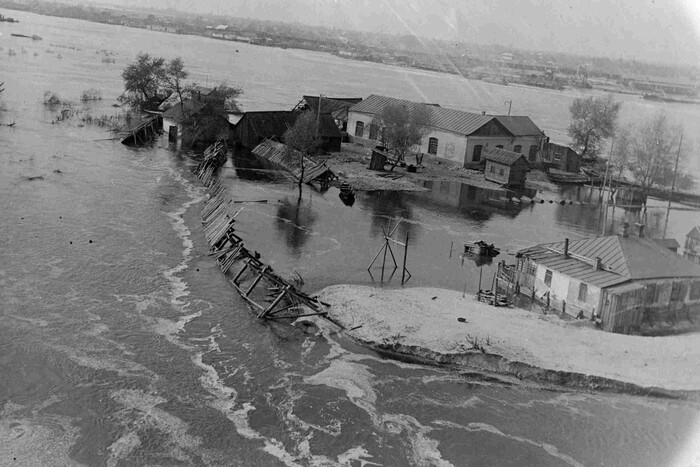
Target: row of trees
<point>646,151</point>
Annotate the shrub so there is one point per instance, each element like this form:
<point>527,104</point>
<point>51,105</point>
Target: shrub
<point>91,94</point>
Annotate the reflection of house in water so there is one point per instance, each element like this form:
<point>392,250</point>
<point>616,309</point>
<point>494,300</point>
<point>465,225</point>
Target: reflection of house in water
<point>476,197</point>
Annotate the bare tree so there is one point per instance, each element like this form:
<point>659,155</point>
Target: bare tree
<point>593,119</point>
<point>303,137</point>
<point>653,152</point>
<point>402,128</point>
<point>173,79</point>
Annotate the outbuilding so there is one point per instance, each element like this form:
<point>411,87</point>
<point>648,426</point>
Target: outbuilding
<point>505,167</point>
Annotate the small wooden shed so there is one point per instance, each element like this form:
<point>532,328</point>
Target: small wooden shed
<point>505,167</point>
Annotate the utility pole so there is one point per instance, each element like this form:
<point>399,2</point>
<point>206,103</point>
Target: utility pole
<point>673,184</point>
<point>510,103</point>
<point>602,200</point>
<point>318,116</point>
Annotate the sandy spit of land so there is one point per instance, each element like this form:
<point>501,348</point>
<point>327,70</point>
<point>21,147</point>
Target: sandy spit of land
<point>428,318</point>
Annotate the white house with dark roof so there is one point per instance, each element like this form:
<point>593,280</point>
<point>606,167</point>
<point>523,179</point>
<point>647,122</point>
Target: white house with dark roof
<point>455,135</point>
<point>618,280</point>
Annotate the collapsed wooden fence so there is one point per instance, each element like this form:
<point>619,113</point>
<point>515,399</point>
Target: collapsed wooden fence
<point>144,132</point>
<point>279,299</point>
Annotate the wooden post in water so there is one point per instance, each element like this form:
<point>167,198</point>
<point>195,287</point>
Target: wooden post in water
<point>405,253</point>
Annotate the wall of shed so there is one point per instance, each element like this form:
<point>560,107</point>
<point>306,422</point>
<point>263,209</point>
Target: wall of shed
<point>663,309</point>
<point>565,289</point>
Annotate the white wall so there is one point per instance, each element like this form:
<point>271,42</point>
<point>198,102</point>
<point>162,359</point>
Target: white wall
<point>451,146</point>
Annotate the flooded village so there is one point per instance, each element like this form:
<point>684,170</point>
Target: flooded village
<point>229,253</point>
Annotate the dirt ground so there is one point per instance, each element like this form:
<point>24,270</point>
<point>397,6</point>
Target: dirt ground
<point>447,323</point>
<point>351,164</point>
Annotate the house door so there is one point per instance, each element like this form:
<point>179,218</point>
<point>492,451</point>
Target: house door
<point>172,133</point>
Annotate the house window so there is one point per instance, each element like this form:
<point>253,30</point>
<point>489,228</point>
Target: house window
<point>548,277</point>
<point>500,171</point>
<point>517,148</point>
<point>493,168</point>
<point>373,130</point>
<point>532,156</point>
<point>531,268</point>
<point>499,146</point>
<point>676,295</point>
<point>432,145</point>
<point>695,291</point>
<point>476,155</point>
<point>359,129</point>
<point>582,292</point>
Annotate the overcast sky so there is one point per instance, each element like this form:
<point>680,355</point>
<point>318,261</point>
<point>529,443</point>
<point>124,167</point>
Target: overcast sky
<point>658,30</point>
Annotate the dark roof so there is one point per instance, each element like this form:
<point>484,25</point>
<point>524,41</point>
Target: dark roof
<point>456,121</point>
<point>502,156</point>
<point>670,243</point>
<point>191,107</point>
<point>288,159</point>
<point>519,125</point>
<point>274,123</point>
<point>330,104</point>
<point>621,258</point>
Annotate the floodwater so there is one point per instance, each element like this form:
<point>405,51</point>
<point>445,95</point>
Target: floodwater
<point>122,343</point>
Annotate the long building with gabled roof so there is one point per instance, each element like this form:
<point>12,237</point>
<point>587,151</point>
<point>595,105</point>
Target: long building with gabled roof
<point>455,135</point>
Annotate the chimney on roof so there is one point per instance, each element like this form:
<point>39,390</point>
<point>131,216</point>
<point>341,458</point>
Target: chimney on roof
<point>566,248</point>
<point>483,112</point>
<point>597,265</point>
<point>640,228</point>
<point>626,230</point>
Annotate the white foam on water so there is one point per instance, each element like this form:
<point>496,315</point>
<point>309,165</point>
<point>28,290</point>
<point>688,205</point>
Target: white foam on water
<point>179,286</point>
<point>144,406</point>
<point>28,438</point>
<point>357,454</point>
<point>355,380</point>
<point>479,426</point>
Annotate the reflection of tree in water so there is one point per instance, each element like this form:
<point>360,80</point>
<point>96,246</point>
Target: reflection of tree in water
<point>387,208</point>
<point>294,220</point>
<point>584,218</point>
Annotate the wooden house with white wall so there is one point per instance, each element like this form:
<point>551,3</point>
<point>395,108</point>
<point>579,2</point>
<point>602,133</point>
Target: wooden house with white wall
<point>618,280</point>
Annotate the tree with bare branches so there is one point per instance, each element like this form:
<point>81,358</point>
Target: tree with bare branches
<point>402,128</point>
<point>593,119</point>
<point>303,137</point>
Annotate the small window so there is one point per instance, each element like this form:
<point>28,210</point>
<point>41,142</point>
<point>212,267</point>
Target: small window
<point>373,130</point>
<point>500,171</point>
<point>432,146</point>
<point>517,148</point>
<point>493,168</point>
<point>695,291</point>
<point>359,129</point>
<point>548,277</point>
<point>532,156</point>
<point>676,292</point>
<point>499,146</point>
<point>476,155</point>
<point>582,292</point>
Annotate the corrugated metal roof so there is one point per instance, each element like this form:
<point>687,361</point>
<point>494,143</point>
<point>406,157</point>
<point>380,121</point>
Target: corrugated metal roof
<point>502,156</point>
<point>457,121</point>
<point>573,267</point>
<point>627,258</point>
<point>288,159</point>
<point>519,125</point>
